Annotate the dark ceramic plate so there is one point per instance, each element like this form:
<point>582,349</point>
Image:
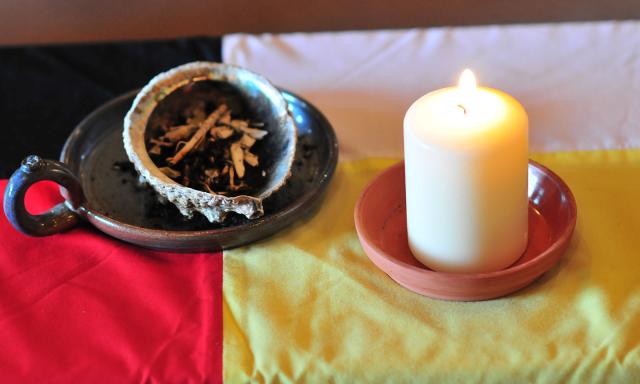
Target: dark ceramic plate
<point>115,204</point>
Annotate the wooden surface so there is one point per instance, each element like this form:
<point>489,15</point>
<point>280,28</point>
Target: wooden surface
<point>49,21</point>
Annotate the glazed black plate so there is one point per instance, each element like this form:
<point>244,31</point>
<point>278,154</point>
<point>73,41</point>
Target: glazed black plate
<point>118,206</point>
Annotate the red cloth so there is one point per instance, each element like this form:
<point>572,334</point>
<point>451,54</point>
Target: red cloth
<point>81,307</point>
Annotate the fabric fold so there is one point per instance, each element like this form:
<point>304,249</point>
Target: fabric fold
<point>308,306</point>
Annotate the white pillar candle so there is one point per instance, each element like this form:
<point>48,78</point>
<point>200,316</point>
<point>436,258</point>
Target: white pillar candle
<point>466,159</point>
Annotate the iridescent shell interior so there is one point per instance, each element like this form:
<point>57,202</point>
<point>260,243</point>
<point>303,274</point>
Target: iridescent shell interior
<point>246,90</point>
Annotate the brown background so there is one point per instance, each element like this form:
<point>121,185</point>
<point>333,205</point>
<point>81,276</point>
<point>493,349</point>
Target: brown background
<point>47,21</point>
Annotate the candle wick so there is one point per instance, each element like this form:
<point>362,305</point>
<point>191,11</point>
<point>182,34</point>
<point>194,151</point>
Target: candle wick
<point>463,109</point>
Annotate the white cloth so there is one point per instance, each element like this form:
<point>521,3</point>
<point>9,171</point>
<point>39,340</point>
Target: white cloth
<point>578,81</point>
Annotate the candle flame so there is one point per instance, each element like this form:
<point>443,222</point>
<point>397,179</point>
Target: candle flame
<point>467,81</point>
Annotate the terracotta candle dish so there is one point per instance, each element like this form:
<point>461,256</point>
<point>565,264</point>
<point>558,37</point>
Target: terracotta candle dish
<point>380,218</point>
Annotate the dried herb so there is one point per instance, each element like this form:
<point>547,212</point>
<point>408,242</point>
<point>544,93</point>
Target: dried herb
<point>206,151</point>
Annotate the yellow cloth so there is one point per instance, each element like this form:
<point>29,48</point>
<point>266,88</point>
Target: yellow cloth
<point>309,306</point>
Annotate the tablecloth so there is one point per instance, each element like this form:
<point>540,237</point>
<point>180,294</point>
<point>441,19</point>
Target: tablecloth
<point>81,307</point>
<point>45,91</point>
<point>578,81</point>
<point>308,306</point>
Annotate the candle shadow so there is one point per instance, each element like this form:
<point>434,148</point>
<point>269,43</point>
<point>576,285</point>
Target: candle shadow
<point>549,278</point>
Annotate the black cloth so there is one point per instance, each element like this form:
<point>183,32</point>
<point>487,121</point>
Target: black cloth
<point>45,91</point>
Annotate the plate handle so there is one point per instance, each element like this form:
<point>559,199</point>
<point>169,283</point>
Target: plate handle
<point>59,218</point>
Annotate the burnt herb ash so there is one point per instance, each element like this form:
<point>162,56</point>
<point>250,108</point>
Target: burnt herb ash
<point>207,146</point>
